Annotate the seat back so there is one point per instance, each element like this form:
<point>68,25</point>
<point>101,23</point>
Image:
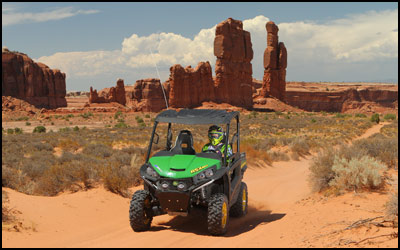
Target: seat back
<point>184,143</point>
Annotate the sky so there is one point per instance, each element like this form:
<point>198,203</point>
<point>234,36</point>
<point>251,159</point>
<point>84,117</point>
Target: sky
<point>97,43</point>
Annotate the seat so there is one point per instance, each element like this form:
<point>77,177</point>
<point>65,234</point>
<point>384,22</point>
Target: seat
<point>184,143</point>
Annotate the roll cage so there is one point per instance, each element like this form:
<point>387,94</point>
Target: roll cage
<point>194,117</point>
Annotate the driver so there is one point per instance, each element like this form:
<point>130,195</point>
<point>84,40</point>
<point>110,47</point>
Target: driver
<point>217,141</point>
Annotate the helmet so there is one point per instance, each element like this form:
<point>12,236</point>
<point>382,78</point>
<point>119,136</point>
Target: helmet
<point>215,134</point>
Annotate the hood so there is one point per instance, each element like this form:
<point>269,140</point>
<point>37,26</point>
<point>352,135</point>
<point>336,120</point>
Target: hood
<point>181,166</point>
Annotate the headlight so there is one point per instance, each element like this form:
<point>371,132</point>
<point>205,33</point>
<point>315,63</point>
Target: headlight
<point>181,186</point>
<point>164,184</point>
<point>209,172</point>
<point>202,176</point>
<point>150,171</point>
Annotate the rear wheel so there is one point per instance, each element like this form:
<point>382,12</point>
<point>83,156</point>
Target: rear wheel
<point>140,212</point>
<point>217,217</point>
<point>239,209</point>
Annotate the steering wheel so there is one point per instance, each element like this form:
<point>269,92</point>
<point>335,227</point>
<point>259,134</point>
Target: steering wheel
<point>210,151</point>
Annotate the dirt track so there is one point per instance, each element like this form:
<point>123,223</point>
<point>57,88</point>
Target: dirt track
<point>282,213</point>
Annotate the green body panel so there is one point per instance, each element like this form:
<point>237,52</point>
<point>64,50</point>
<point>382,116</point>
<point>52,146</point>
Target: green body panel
<point>192,164</point>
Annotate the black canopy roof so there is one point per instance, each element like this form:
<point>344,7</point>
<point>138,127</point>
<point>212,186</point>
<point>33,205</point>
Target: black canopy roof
<point>196,116</point>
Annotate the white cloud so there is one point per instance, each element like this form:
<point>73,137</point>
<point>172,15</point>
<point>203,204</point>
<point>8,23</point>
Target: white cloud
<point>369,37</point>
<point>10,16</point>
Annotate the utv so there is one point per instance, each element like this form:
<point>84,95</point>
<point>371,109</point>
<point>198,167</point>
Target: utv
<point>177,179</point>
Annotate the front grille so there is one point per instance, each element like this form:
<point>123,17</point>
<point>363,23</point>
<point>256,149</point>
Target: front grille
<point>171,187</point>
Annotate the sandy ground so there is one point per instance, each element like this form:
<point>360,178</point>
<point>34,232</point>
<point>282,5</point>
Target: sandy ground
<point>282,213</point>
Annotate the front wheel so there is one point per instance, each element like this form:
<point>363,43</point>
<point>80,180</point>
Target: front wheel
<point>217,216</point>
<point>239,209</point>
<point>140,212</point>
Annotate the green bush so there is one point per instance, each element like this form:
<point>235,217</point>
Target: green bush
<point>66,129</point>
<point>27,123</point>
<point>117,115</point>
<point>86,115</point>
<point>121,125</point>
<point>76,128</point>
<point>375,118</point>
<point>365,172</point>
<point>360,115</point>
<point>313,120</point>
<point>18,130</point>
<point>10,131</point>
<point>147,116</point>
<point>139,120</point>
<point>390,117</point>
<point>23,118</point>
<point>39,129</point>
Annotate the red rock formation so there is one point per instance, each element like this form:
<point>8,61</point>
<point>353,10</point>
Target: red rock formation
<point>275,63</point>
<point>107,95</point>
<point>146,95</point>
<point>339,98</point>
<point>233,70</point>
<point>35,83</point>
<point>190,87</point>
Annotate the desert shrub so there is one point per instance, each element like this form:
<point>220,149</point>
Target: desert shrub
<point>69,116</point>
<point>147,116</point>
<point>392,206</point>
<point>42,146</point>
<point>380,147</point>
<point>6,215</point>
<point>76,128</point>
<point>98,150</point>
<point>87,115</point>
<point>390,130</point>
<point>340,115</point>
<point>69,144</point>
<point>390,117</point>
<point>299,147</point>
<point>278,156</point>
<point>117,114</point>
<point>118,178</point>
<point>17,130</point>
<point>121,125</point>
<point>365,172</point>
<point>64,130</point>
<point>313,120</point>
<point>121,158</point>
<point>23,118</point>
<point>321,173</point>
<point>139,119</point>
<point>375,118</point>
<point>27,123</point>
<point>39,129</point>
<point>10,131</point>
<point>360,115</point>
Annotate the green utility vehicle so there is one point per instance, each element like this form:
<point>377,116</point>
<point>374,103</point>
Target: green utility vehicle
<point>178,179</point>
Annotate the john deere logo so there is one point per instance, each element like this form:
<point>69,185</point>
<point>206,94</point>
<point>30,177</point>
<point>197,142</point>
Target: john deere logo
<point>198,169</point>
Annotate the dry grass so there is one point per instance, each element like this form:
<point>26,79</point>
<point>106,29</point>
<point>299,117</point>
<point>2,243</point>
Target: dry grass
<point>89,157</point>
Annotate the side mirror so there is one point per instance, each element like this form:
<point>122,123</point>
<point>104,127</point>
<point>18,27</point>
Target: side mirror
<point>156,138</point>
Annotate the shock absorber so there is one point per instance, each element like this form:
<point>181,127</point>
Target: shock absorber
<point>203,193</point>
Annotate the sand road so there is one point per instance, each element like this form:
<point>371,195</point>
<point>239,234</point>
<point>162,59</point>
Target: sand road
<point>282,213</point>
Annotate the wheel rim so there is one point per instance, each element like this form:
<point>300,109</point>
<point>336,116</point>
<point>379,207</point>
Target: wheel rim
<point>224,214</point>
<point>244,200</point>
